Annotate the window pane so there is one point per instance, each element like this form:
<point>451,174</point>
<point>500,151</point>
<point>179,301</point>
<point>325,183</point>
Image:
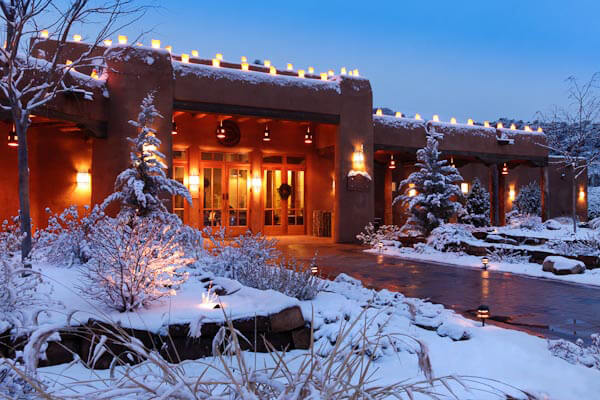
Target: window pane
<point>179,155</point>
<point>218,156</point>
<point>207,187</point>
<point>217,189</point>
<point>179,174</point>
<point>273,159</point>
<point>243,185</point>
<point>206,156</point>
<point>295,160</point>
<point>276,185</point>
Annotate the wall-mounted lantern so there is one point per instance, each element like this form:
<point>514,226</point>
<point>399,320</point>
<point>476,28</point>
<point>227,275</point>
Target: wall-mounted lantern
<point>173,127</point>
<point>453,120</point>
<point>221,132</point>
<point>504,169</point>
<point>485,261</point>
<point>267,134</point>
<point>512,193</point>
<point>323,76</point>
<point>77,38</point>
<point>256,184</point>
<point>412,192</point>
<point>470,121</point>
<point>195,53</point>
<point>392,164</point>
<point>13,138</point>
<point>486,124</point>
<point>418,116</point>
<point>216,62</point>
<point>83,179</point>
<point>194,183</point>
<point>308,136</point>
<point>301,73</point>
<point>267,63</point>
<point>398,114</point>
<point>155,44</point>
<point>358,159</point>
<point>185,58</point>
<point>436,118</point>
<point>108,42</point>
<point>581,194</point>
<point>272,70</point>
<point>44,34</point>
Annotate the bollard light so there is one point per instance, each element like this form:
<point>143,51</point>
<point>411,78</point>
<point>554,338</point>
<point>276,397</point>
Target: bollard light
<point>483,313</point>
<point>485,261</point>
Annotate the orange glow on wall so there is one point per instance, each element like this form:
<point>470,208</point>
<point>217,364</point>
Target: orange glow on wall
<point>581,194</point>
<point>512,194</point>
<point>155,44</point>
<point>122,39</point>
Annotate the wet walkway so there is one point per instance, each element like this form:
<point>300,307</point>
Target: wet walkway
<point>540,306</point>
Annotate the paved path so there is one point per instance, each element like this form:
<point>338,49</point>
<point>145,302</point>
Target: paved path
<point>540,306</point>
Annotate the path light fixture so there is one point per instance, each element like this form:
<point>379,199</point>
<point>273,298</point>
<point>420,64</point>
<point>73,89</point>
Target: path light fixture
<point>485,261</point>
<point>267,134</point>
<point>301,73</point>
<point>380,247</point>
<point>392,163</point>
<point>314,268</point>
<point>13,139</point>
<point>483,313</point>
<point>358,159</point>
<point>216,63</point>
<point>272,70</point>
<point>221,133</point>
<point>245,66</point>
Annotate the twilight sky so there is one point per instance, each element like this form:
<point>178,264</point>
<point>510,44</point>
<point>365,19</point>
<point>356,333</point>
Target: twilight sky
<point>463,58</point>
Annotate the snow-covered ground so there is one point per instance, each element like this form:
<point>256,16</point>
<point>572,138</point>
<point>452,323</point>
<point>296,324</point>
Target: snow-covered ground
<point>502,358</point>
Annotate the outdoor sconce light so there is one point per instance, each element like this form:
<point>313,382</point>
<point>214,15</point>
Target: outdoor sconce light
<point>581,194</point>
<point>77,38</point>
<point>195,53</point>
<point>300,73</point>
<point>513,127</point>
<point>94,74</point>
<point>504,169</point>
<point>267,134</point>
<point>256,184</point>
<point>83,179</point>
<point>122,39</point>
<point>485,261</point>
<point>13,139</point>
<point>219,56</point>
<point>216,62</point>
<point>464,187</point>
<point>453,120</point>
<point>412,192</point>
<point>221,130</point>
<point>155,44</point>
<point>358,159</point>
<point>185,58</point>
<point>483,313</point>
<point>343,71</point>
<point>311,70</point>
<point>486,124</point>
<point>330,72</point>
<point>392,163</point>
<point>436,118</point>
<point>469,121</point>
<point>245,66</point>
<point>272,70</point>
<point>108,42</point>
<point>379,112</point>
<point>44,34</point>
<point>324,76</point>
<point>499,125</point>
<point>308,136</point>
<point>267,63</point>
<point>174,127</point>
<point>539,129</point>
<point>527,128</point>
<point>194,182</point>
<point>290,67</point>
<point>398,114</point>
<point>511,193</point>
<point>418,116</point>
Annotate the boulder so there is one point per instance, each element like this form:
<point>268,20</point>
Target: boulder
<point>563,266</point>
<point>500,239</point>
<point>553,225</point>
<point>454,331</point>
<point>287,320</point>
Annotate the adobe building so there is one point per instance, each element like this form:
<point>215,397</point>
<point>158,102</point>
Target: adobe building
<point>270,150</point>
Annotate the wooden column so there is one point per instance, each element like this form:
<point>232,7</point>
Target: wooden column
<point>494,194</point>
<point>388,215</point>
<point>545,189</point>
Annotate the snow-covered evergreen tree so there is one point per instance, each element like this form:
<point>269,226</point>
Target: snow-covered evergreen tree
<point>140,187</point>
<point>436,195</point>
<point>529,199</point>
<point>477,207</point>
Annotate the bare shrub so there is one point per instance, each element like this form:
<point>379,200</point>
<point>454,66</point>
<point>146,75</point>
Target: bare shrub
<point>588,246</point>
<point>10,236</point>
<point>448,237</point>
<point>578,352</point>
<point>134,261</point>
<point>506,255</point>
<point>371,236</point>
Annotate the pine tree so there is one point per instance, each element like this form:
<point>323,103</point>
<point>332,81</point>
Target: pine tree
<point>477,208</point>
<point>140,187</point>
<point>529,199</point>
<point>434,201</point>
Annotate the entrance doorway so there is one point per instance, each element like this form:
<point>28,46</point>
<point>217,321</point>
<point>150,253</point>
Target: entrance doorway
<point>225,191</point>
<point>283,195</point>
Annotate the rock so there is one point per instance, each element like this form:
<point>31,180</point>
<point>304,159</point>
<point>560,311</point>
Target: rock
<point>431,324</point>
<point>344,278</point>
<point>301,338</point>
<point>553,225</point>
<point>500,239</point>
<point>563,266</point>
<point>287,320</point>
<point>454,331</point>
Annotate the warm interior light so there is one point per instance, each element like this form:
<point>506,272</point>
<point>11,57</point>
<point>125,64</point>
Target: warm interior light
<point>267,63</point>
<point>379,112</point>
<point>94,74</point>
<point>290,67</point>
<point>392,163</point>
<point>311,70</point>
<point>499,125</point>
<point>108,42</point>
<point>358,159</point>
<point>453,120</point>
<point>77,38</point>
<point>300,73</point>
<point>245,66</point>
<point>308,136</point>
<point>464,187</point>
<point>83,179</point>
<point>469,121</point>
<point>323,76</point>
<point>527,128</point>
<point>219,56</point>
<point>155,44</point>
<point>513,127</point>
<point>581,194</point>
<point>330,72</point>
<point>272,70</point>
<point>486,124</point>
<point>343,71</point>
<point>436,118</point>
<point>185,58</point>
<point>216,62</point>
<point>195,53</point>
<point>122,39</point>
<point>418,116</point>
<point>398,114</point>
<point>44,34</point>
<point>511,193</point>
<point>256,184</point>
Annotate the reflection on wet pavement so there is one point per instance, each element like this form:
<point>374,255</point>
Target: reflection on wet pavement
<point>544,307</point>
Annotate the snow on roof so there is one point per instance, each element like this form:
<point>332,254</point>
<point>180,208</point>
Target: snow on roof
<point>254,77</point>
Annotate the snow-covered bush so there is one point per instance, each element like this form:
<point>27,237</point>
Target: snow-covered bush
<point>524,221</point>
<point>134,261</point>
<point>65,239</point>
<point>477,206</point>
<point>588,246</point>
<point>371,236</point>
<point>507,255</point>
<point>578,352</point>
<point>141,188</point>
<point>12,385</point>
<point>449,237</point>
<point>529,199</point>
<point>10,236</point>
<point>431,193</point>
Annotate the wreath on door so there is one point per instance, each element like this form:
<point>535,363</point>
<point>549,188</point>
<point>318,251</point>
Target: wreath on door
<point>284,191</point>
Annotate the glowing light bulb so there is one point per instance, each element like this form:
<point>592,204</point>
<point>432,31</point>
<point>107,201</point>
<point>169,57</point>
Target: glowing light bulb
<point>418,116</point>
<point>513,127</point>
<point>453,120</point>
<point>122,39</point>
<point>469,121</point>
<point>356,72</point>
<point>290,67</point>
<point>216,62</point>
<point>527,128</point>
<point>499,125</point>
<point>398,114</point>
<point>155,44</point>
<point>539,129</point>
<point>311,70</point>
<point>267,63</point>
<point>343,71</point>
<point>195,53</point>
<point>169,48</point>
<point>436,118</point>
<point>272,70</point>
<point>301,73</point>
<point>185,58</point>
<point>219,56</point>
<point>245,66</point>
<point>244,59</point>
<point>486,124</point>
<point>323,76</point>
<point>44,34</point>
<point>330,72</point>
<point>108,42</point>
<point>77,38</point>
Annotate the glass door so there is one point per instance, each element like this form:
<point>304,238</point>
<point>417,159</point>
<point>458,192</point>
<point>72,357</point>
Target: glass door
<point>238,193</point>
<point>295,203</point>
<point>180,171</point>
<point>212,199</point>
<point>273,206</point>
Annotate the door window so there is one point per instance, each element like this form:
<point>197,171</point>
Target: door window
<point>272,181</point>
<point>213,197</point>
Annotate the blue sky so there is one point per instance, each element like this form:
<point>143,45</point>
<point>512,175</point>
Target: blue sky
<point>481,59</point>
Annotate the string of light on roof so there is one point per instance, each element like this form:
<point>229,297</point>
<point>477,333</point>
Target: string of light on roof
<point>453,121</point>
